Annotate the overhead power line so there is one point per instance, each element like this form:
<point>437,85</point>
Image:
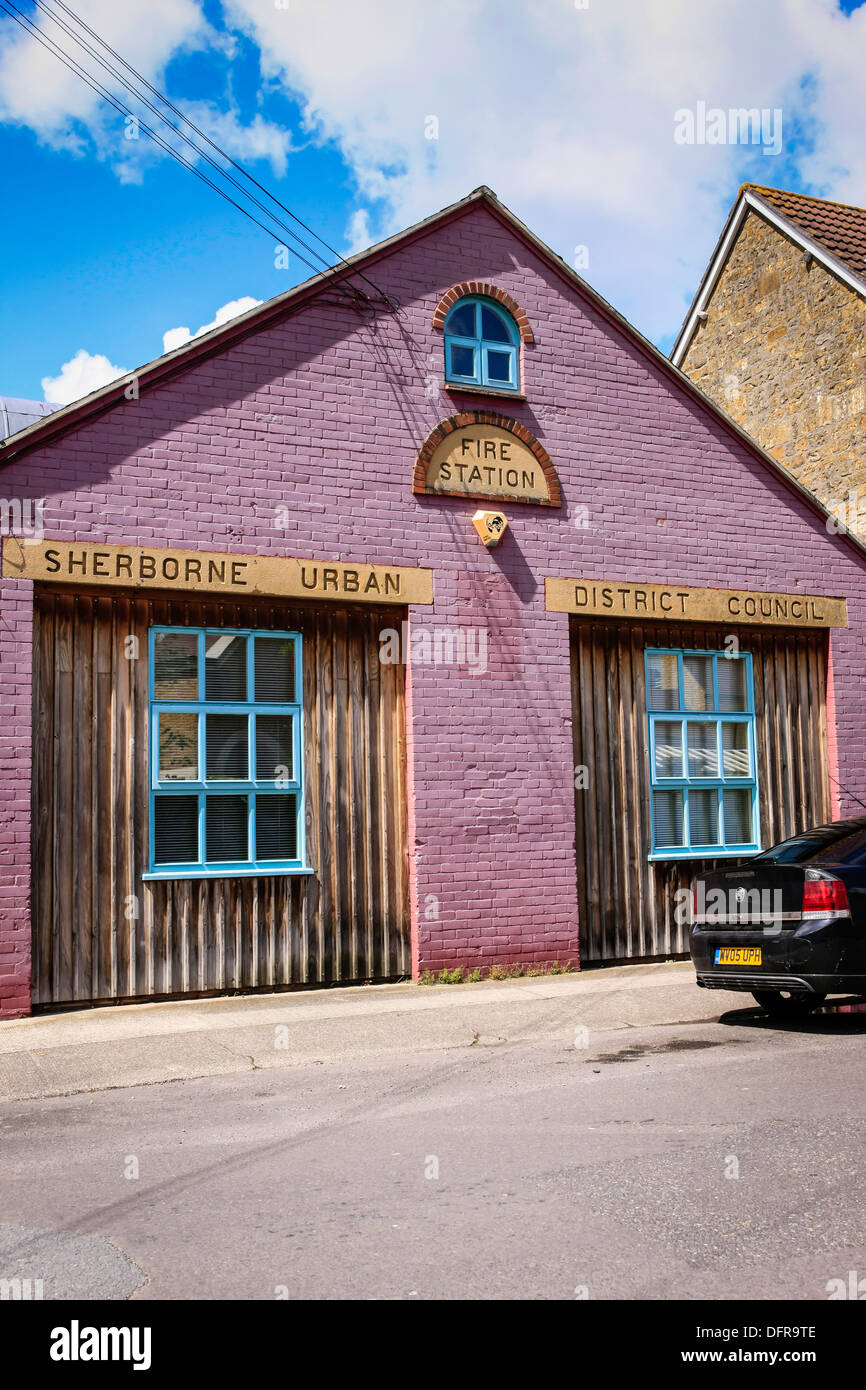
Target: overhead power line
<point>204,136</point>
<point>340,272</point>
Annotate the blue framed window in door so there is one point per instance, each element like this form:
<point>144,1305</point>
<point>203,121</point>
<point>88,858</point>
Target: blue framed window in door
<point>482,346</point>
<point>225,752</point>
<point>703,779</point>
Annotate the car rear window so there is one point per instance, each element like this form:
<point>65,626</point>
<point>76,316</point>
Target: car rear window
<point>845,846</point>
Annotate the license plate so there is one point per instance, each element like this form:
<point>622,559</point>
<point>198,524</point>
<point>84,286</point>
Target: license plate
<point>738,955</point>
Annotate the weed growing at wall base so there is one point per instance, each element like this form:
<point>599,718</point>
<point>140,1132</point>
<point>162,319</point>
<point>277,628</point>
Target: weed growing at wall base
<point>459,975</point>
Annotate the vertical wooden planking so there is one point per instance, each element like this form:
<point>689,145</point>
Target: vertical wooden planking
<point>357,958</point>
<point>349,919</point>
<point>324,950</point>
<point>401,962</point>
<point>630,810</point>
<point>587,830</point>
<point>375,851</point>
<point>42,824</point>
<point>341,791</point>
<point>627,904</point>
<point>62,981</point>
<point>123,766</point>
<point>144,966</point>
<point>81,827</point>
<point>762,741</point>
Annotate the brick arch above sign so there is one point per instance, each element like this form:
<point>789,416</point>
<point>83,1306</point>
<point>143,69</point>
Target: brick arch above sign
<point>481,454</point>
<point>470,287</point>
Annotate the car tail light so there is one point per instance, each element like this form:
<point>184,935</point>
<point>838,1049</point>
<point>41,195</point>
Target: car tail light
<point>825,897</point>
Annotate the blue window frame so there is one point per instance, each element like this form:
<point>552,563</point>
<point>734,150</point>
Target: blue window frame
<point>226,752</point>
<point>482,346</point>
<point>703,783</point>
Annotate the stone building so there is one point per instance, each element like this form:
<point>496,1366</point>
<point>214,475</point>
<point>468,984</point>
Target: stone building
<point>775,334</point>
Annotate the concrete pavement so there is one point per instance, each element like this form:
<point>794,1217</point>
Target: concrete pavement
<point>139,1044</point>
<point>710,1160</point>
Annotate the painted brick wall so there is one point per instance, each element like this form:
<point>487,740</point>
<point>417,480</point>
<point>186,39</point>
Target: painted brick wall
<point>782,351</point>
<point>323,415</point>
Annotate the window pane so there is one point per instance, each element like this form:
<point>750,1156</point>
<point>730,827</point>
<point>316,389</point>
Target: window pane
<point>225,666</point>
<point>461,321</point>
<point>175,666</point>
<point>735,750</point>
<point>732,683</point>
<point>175,829</point>
<point>492,326</point>
<point>227,748</point>
<point>277,826</point>
<point>462,361</point>
<point>275,669</point>
<point>668,818</point>
<point>227,828</point>
<point>698,682</point>
<point>703,818</point>
<point>737,807</point>
<point>703,750</point>
<point>669,748</point>
<point>662,681</point>
<point>274,746</point>
<point>178,747</point>
<point>498,365</point>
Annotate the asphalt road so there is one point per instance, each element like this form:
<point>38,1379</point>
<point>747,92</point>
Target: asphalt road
<point>534,1169</point>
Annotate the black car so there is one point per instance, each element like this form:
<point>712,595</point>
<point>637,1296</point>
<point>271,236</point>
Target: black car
<point>788,925</point>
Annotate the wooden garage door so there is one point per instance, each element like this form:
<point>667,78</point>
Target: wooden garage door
<point>627,905</point>
<point>99,931</point>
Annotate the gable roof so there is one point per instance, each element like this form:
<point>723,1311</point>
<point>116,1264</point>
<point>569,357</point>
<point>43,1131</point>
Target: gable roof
<point>832,233</point>
<point>218,339</point>
<point>838,227</point>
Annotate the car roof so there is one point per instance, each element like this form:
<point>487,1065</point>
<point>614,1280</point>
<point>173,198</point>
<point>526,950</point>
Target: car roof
<point>833,830</point>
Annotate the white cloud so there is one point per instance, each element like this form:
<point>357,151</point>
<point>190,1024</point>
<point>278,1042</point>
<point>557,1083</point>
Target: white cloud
<point>176,337</point>
<point>38,91</point>
<point>568,113</point>
<point>359,234</point>
<point>83,373</point>
<point>87,371</point>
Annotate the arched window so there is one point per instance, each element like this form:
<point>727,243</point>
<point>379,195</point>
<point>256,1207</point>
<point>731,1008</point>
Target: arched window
<point>481,346</point>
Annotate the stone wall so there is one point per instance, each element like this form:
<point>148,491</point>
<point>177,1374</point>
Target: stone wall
<point>782,351</point>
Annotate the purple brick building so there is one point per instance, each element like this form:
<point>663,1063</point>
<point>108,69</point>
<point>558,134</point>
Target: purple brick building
<point>274,713</point>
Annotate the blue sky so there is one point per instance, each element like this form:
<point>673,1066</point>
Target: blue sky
<point>108,247</point>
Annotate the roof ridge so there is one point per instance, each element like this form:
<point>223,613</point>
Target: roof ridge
<point>790,193</point>
<point>106,397</point>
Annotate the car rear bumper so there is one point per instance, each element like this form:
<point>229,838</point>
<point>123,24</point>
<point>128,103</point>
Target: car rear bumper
<point>816,958</point>
<point>732,978</point>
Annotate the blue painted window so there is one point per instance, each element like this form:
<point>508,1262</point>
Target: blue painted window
<point>482,346</point>
<point>703,783</point>
<point>226,752</point>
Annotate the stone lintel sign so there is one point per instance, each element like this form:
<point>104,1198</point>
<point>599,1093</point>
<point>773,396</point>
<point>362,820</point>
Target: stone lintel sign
<point>205,571</point>
<point>480,454</point>
<point>612,598</point>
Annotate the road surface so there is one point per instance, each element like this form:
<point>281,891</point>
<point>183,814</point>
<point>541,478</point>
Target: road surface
<point>720,1159</point>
